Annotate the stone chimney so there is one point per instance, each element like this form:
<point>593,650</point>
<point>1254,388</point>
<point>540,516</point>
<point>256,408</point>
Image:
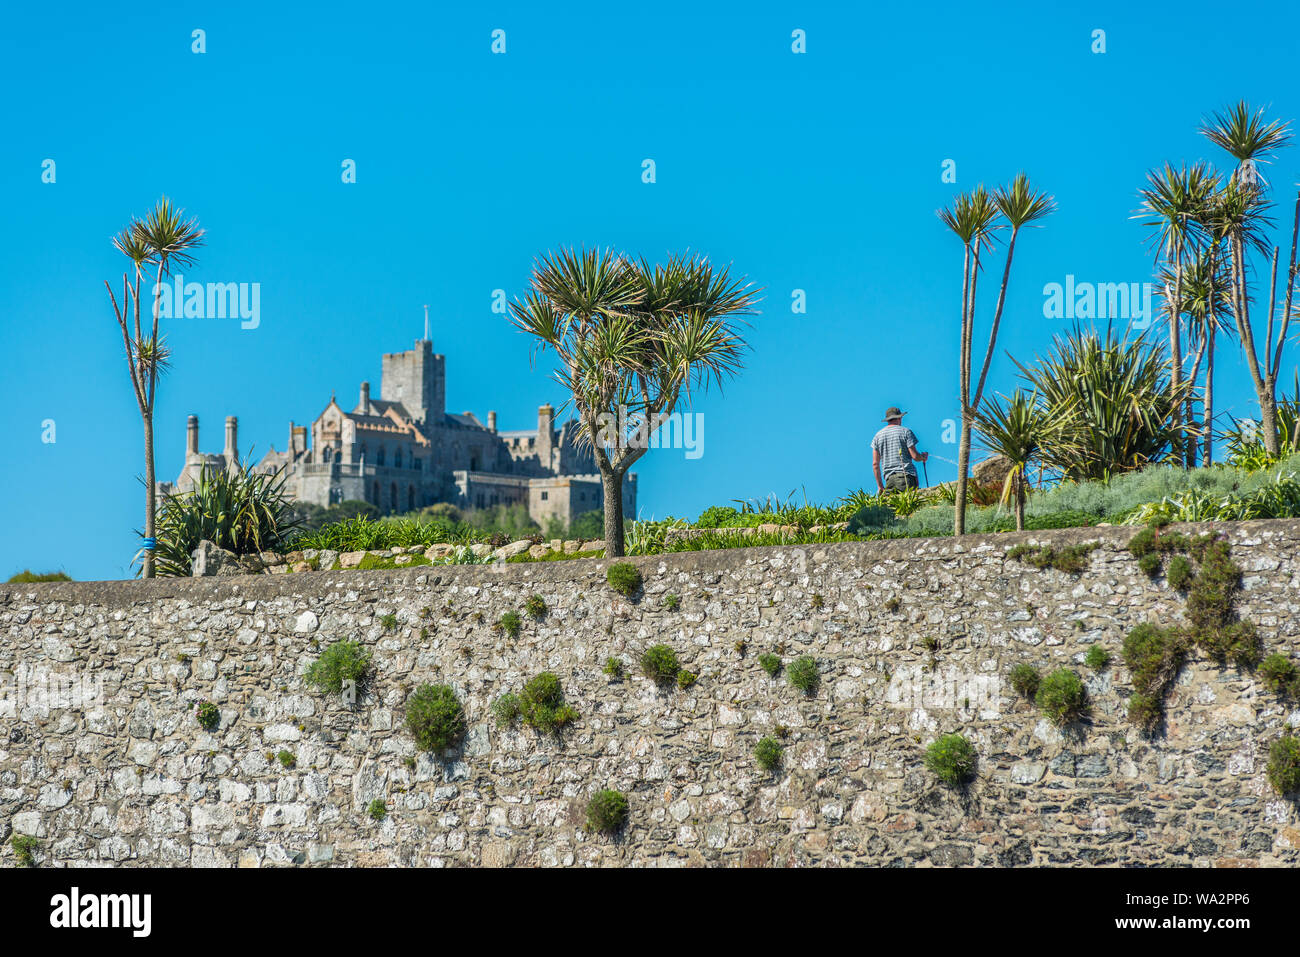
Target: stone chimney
<point>365,398</point>
<point>492,421</point>
<point>232,440</point>
<point>192,435</point>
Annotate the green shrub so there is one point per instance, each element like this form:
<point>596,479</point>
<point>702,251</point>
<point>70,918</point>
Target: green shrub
<point>951,759</point>
<point>378,810</point>
<point>1284,764</point>
<point>802,674</point>
<point>1180,573</point>
<point>541,704</point>
<point>27,576</point>
<point>1145,711</point>
<point>1061,697</point>
<point>607,811</point>
<point>287,760</point>
<point>624,578</point>
<point>435,717</point>
<point>1072,558</point>
<point>1024,679</point>
<point>24,847</point>
<point>771,664</point>
<point>536,607</point>
<point>506,708</point>
<point>1097,658</point>
<point>671,602</point>
<point>659,662</point>
<point>614,668</point>
<point>510,623</point>
<point>389,622</point>
<point>685,679</point>
<point>209,715</point>
<point>239,509</point>
<point>1279,674</point>
<point>768,753</point>
<point>1150,564</point>
<point>341,661</point>
<point>1211,609</point>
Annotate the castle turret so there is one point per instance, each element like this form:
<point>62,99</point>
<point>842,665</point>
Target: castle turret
<point>545,434</point>
<point>364,405</point>
<point>232,440</point>
<point>492,421</point>
<point>192,436</point>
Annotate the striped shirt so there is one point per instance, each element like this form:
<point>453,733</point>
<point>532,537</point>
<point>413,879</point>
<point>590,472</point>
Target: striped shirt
<point>890,446</point>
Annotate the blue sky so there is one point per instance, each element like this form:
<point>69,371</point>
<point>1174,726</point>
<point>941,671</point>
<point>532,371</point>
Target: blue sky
<point>819,172</point>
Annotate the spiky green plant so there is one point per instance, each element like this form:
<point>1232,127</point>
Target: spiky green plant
<point>1113,401</point>
<point>239,509</point>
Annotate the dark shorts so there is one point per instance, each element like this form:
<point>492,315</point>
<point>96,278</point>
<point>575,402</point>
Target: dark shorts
<point>898,481</point>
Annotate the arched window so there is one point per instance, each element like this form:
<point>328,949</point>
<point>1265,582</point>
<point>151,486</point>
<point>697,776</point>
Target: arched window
<point>329,453</point>
<point>379,460</point>
<point>397,459</point>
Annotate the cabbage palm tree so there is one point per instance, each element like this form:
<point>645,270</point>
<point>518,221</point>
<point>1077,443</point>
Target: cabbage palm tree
<point>1017,429</point>
<point>632,339</point>
<point>974,219</point>
<point>1172,204</point>
<point>163,238</point>
<point>1205,304</point>
<point>1240,217</point>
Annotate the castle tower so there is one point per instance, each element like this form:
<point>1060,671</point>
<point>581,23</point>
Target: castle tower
<point>363,406</point>
<point>492,421</point>
<point>191,436</point>
<point>545,434</point>
<point>418,380</point>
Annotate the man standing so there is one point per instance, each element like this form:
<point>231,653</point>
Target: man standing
<point>893,452</point>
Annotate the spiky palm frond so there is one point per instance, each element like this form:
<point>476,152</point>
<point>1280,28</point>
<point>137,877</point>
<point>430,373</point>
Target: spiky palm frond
<point>1020,205</point>
<point>1123,411</point>
<point>1245,136</point>
<point>1205,293</point>
<point>1174,206</point>
<point>169,238</point>
<point>973,218</point>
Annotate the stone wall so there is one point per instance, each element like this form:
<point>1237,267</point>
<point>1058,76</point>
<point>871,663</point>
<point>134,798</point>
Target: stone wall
<point>131,777</point>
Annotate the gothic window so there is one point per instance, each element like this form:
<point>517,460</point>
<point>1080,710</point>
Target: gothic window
<point>379,460</point>
<point>417,464</point>
<point>329,453</point>
<point>397,459</point>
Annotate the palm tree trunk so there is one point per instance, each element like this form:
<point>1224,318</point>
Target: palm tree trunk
<point>1020,500</point>
<point>963,464</point>
<point>612,480</point>
<point>150,510</point>
<point>1207,420</point>
<point>1176,349</point>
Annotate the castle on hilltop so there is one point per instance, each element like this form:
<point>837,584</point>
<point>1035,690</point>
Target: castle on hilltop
<point>404,451</point>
